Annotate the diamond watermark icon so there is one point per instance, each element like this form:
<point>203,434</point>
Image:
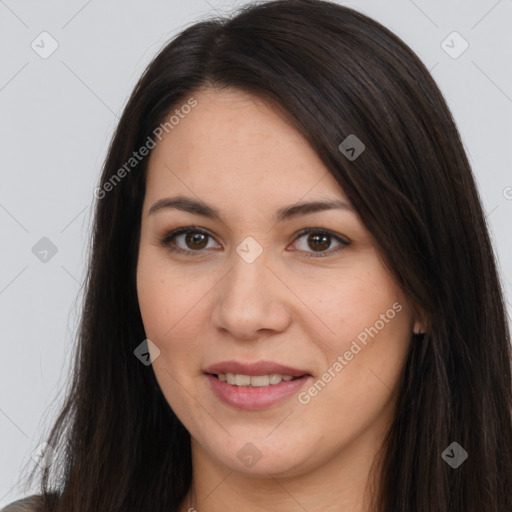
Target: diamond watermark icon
<point>351,147</point>
<point>249,249</point>
<point>147,352</point>
<point>44,45</point>
<point>454,45</point>
<point>44,249</point>
<point>249,455</point>
<point>454,455</point>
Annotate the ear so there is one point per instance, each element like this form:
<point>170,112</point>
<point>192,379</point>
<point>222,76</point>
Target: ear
<point>418,327</point>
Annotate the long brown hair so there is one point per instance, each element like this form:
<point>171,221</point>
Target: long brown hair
<point>333,72</point>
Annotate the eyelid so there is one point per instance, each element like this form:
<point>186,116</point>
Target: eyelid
<point>169,237</point>
<point>343,241</point>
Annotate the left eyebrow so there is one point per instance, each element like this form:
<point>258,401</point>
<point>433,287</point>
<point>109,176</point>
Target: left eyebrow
<point>185,204</point>
<point>304,208</point>
<point>199,207</point>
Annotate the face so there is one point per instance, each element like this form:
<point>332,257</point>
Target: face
<point>257,287</point>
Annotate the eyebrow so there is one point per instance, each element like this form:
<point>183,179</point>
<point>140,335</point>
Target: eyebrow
<point>190,205</point>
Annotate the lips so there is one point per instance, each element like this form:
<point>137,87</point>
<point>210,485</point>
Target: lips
<point>256,368</point>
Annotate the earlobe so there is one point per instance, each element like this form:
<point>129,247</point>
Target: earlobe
<point>420,319</point>
<point>418,328</point>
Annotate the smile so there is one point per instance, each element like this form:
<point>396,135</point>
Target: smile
<point>255,397</point>
<point>254,380</point>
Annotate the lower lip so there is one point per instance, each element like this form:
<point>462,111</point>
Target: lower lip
<point>254,398</point>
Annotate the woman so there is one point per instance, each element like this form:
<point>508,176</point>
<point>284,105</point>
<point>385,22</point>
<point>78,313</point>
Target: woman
<point>293,302</point>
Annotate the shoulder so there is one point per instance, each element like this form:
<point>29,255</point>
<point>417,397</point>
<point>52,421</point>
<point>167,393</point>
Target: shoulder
<point>28,504</point>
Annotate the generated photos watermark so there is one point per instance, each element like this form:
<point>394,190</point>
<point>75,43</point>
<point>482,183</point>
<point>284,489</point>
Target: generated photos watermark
<point>305,397</point>
<point>137,156</point>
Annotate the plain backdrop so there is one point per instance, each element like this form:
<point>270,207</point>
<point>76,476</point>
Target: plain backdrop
<point>58,113</point>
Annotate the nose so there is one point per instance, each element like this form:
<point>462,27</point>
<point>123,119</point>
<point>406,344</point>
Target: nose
<point>251,300</point>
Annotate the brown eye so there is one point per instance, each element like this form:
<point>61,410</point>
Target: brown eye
<point>191,240</point>
<point>195,240</point>
<point>318,242</point>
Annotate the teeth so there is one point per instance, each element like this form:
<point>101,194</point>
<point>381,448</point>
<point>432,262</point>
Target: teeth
<point>242,380</point>
<point>256,381</point>
<point>259,380</point>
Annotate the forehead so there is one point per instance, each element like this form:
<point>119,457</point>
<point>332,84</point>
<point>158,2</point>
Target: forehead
<point>236,143</point>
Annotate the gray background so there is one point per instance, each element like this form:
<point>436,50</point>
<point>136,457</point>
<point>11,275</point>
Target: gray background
<point>57,117</point>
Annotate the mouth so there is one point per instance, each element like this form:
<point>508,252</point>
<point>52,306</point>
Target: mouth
<point>228,369</point>
<point>254,381</point>
<point>254,386</point>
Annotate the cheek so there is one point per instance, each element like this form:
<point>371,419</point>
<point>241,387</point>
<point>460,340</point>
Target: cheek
<point>170,300</point>
<point>174,311</point>
<point>170,321</point>
<point>356,389</point>
<point>358,306</point>
<point>364,354</point>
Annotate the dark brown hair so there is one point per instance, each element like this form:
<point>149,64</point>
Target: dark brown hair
<point>333,72</point>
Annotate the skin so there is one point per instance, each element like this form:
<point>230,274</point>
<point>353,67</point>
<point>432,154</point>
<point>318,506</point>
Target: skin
<point>236,153</point>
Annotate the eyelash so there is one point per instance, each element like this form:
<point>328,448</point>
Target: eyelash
<point>169,237</point>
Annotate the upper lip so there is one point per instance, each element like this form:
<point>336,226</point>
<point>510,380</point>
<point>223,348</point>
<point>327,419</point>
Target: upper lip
<point>255,368</point>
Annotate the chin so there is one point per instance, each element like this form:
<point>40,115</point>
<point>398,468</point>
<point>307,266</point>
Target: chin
<point>278,465</point>
<point>262,457</point>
